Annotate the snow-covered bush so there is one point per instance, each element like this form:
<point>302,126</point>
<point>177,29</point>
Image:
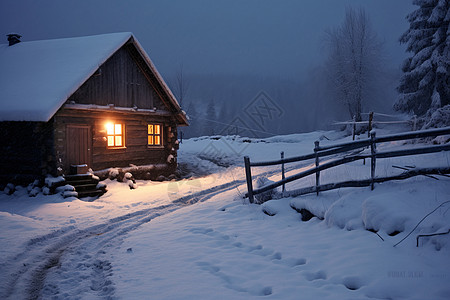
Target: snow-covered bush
<point>439,118</point>
<point>265,196</point>
<point>9,189</point>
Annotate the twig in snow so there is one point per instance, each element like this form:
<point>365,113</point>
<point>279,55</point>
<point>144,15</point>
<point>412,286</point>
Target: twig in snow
<point>432,234</point>
<point>421,222</point>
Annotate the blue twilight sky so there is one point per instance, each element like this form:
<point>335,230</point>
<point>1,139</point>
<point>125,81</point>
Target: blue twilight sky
<point>265,37</point>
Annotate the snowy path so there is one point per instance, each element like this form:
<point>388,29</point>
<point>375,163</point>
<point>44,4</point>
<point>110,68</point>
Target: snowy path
<point>79,254</point>
<point>31,272</point>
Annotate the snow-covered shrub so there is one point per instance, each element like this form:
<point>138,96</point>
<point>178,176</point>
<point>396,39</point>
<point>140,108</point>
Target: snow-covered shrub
<point>9,189</point>
<point>46,190</point>
<point>34,192</point>
<point>439,118</point>
<point>265,196</point>
<point>33,188</point>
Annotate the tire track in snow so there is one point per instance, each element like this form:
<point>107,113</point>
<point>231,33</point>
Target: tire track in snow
<point>24,276</point>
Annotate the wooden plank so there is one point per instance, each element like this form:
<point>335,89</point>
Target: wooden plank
<point>368,182</point>
<point>310,172</point>
<point>415,151</point>
<point>413,135</point>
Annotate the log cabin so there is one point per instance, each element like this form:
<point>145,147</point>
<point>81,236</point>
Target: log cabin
<point>95,100</point>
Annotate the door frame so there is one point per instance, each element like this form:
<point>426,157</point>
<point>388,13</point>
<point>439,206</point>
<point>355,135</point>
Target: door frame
<point>89,143</point>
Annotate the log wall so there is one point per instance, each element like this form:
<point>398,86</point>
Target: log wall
<point>136,150</point>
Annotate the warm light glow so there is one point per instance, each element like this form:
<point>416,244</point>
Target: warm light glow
<point>110,141</point>
<point>117,128</point>
<point>109,128</point>
<point>114,134</point>
<point>118,140</point>
<point>154,134</point>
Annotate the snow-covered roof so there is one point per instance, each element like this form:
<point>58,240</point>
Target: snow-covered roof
<point>37,77</point>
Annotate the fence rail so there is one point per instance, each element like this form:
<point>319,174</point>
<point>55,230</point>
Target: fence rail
<point>323,151</point>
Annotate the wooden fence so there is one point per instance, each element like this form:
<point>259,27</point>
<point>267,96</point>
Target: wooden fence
<point>371,121</point>
<point>323,151</point>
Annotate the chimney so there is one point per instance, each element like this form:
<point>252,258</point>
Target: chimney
<point>13,38</point>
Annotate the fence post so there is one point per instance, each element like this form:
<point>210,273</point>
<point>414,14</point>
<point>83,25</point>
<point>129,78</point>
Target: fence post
<point>370,123</point>
<point>248,176</point>
<point>282,171</point>
<point>354,127</point>
<point>373,158</point>
<point>316,151</point>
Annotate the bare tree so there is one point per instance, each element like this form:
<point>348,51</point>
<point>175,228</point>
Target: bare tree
<point>180,85</point>
<point>354,60</point>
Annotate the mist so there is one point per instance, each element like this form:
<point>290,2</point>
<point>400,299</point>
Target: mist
<point>231,52</point>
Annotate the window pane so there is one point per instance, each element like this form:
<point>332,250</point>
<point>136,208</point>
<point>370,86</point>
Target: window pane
<point>150,129</point>
<point>150,139</point>
<point>109,129</point>
<point>118,141</point>
<point>157,140</point>
<point>118,128</point>
<point>110,141</point>
<point>157,131</point>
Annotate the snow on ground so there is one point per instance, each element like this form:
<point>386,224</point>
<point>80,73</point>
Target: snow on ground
<point>197,238</point>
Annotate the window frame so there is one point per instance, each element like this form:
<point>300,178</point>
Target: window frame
<point>161,144</point>
<point>114,135</point>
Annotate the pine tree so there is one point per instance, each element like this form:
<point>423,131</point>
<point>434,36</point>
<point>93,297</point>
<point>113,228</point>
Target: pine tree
<point>425,83</point>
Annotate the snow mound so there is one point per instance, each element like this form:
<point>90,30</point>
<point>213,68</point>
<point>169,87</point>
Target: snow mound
<point>392,213</point>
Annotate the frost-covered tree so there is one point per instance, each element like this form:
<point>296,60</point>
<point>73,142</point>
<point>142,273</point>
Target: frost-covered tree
<point>211,119</point>
<point>194,121</point>
<point>180,85</point>
<point>425,82</point>
<point>354,60</point>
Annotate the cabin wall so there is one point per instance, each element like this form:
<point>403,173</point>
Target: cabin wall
<point>119,81</point>
<point>136,151</point>
<point>26,151</point>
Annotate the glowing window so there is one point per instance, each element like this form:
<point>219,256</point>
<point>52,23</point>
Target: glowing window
<point>154,135</point>
<point>114,135</point>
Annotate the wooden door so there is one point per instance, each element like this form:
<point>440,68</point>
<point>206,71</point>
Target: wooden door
<point>78,145</point>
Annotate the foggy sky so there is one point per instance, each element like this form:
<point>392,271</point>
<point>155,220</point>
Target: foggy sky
<point>262,37</point>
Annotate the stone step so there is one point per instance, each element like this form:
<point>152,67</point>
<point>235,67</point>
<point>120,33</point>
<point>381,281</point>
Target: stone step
<point>90,193</point>
<point>78,177</point>
<point>85,187</point>
<point>82,182</point>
